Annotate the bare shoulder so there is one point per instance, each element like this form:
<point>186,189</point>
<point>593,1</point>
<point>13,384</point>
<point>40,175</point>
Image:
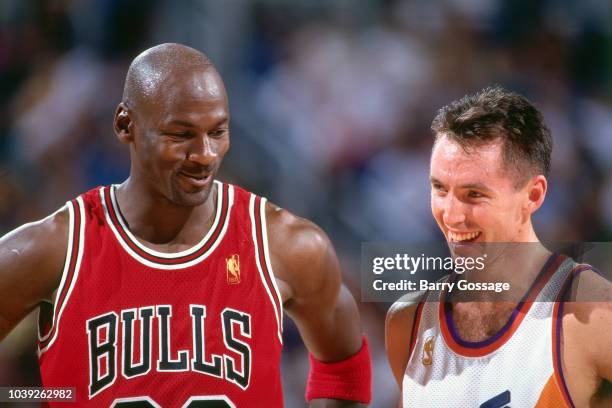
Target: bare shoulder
<point>591,286</point>
<point>41,242</point>
<point>591,292</point>
<point>400,316</point>
<point>301,252</point>
<point>31,260</point>
<point>297,234</point>
<point>403,309</point>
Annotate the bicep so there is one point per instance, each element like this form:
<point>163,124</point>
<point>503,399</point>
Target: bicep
<point>17,292</point>
<point>398,336</point>
<point>323,309</point>
<point>602,317</point>
<point>592,309</point>
<point>30,267</point>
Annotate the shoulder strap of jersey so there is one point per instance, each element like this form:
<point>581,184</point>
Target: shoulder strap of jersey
<point>563,287</point>
<point>257,212</point>
<point>74,254</point>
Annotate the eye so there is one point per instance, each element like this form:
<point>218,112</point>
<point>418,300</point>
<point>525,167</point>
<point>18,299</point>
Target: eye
<point>437,188</point>
<point>179,134</point>
<point>217,133</point>
<point>475,194</point>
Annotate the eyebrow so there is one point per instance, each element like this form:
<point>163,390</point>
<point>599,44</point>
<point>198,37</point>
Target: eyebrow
<point>433,180</point>
<point>475,185</point>
<point>185,123</point>
<point>181,123</point>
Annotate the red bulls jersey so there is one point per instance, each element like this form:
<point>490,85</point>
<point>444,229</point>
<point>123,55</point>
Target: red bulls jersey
<point>136,327</point>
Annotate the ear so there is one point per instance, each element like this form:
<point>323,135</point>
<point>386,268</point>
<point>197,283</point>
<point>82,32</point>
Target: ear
<point>536,192</point>
<point>123,124</point>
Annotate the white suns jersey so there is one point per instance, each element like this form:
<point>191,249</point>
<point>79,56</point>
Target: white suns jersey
<point>518,367</point>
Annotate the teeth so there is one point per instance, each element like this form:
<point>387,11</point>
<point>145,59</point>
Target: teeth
<point>462,237</point>
<point>195,177</point>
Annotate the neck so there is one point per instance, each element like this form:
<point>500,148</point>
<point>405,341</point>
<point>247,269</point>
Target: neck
<point>151,217</point>
<point>479,316</point>
<point>510,262</point>
<point>517,263</point>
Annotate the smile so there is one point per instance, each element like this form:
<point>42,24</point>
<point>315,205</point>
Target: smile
<point>197,180</point>
<point>463,237</point>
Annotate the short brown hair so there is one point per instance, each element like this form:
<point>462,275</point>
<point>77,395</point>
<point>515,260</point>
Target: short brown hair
<point>494,114</point>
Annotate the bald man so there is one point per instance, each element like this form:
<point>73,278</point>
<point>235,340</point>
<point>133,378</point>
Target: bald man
<point>168,289</point>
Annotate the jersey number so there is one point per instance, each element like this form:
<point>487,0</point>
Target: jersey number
<point>499,401</point>
<point>214,401</point>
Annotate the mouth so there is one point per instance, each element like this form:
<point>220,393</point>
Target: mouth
<point>196,180</point>
<point>463,237</point>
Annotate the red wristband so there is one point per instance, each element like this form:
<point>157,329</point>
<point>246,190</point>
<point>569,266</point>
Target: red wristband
<point>349,379</point>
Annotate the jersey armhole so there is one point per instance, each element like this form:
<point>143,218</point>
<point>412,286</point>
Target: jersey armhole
<point>414,332</point>
<point>74,253</point>
<point>557,331</point>
<point>257,213</point>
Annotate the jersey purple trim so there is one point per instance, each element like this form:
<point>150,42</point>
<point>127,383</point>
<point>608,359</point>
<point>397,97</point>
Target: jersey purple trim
<point>559,326</point>
<point>448,315</point>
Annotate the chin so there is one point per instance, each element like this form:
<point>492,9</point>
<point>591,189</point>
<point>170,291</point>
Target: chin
<point>189,199</point>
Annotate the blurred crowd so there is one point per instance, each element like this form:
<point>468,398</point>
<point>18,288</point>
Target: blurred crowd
<point>331,103</point>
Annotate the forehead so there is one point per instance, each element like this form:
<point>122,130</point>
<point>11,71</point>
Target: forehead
<point>452,163</point>
<point>191,94</point>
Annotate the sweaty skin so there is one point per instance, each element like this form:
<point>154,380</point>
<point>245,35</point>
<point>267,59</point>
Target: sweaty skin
<point>174,117</point>
<point>472,193</point>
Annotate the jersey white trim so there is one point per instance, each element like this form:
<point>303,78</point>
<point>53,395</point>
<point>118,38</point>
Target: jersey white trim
<point>165,255</point>
<point>224,398</point>
<point>170,255</point>
<point>160,343</point>
<point>266,247</point>
<point>278,317</point>
<point>64,272</point>
<point>202,333</point>
<point>101,356</point>
<point>227,358</point>
<point>143,398</point>
<point>77,267</point>
<point>137,316</point>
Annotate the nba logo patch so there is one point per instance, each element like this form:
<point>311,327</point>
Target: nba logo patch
<point>233,269</point>
<point>428,348</point>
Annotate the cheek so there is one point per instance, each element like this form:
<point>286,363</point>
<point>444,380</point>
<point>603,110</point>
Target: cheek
<point>487,216</point>
<point>222,147</point>
<point>168,153</point>
<point>497,217</point>
<point>437,205</point>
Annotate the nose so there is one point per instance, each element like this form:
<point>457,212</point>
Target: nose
<point>201,150</point>
<point>454,211</point>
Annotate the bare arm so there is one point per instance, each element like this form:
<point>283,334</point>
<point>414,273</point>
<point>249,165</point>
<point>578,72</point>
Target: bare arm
<point>31,259</point>
<point>309,276</point>
<point>587,321</point>
<point>398,335</point>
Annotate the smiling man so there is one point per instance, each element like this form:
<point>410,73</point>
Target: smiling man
<point>169,289</point>
<point>488,173</point>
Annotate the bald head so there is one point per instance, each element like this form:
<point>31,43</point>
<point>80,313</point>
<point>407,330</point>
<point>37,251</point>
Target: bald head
<point>155,66</point>
<point>175,118</point>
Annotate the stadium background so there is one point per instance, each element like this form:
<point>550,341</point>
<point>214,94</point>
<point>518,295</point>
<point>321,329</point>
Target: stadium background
<point>331,103</point>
